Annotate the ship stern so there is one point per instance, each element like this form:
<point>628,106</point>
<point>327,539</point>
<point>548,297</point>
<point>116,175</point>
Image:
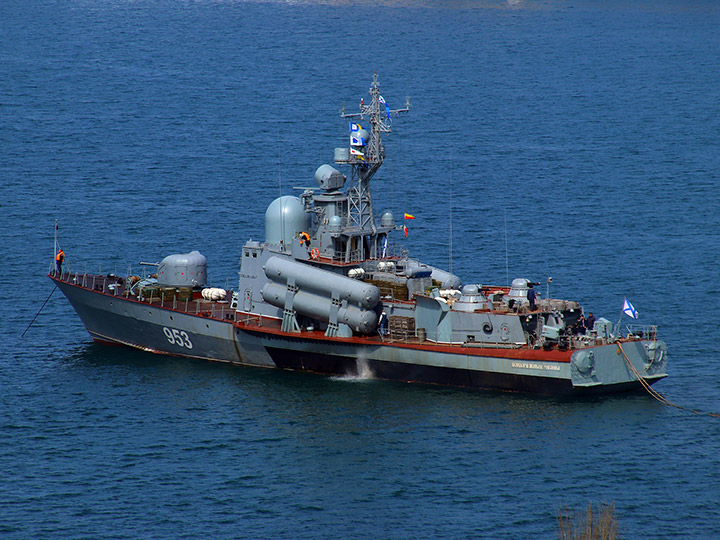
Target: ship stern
<point>622,365</point>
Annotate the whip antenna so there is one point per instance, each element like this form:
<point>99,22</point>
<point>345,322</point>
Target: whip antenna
<point>507,271</point>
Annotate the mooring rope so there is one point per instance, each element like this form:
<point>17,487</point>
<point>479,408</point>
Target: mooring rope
<point>38,313</point>
<point>654,393</point>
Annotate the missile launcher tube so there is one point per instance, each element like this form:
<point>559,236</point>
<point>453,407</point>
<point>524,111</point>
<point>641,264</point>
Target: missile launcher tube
<point>318,307</point>
<point>447,280</point>
<point>309,278</point>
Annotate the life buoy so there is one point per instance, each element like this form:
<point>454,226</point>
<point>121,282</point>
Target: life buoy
<point>314,253</point>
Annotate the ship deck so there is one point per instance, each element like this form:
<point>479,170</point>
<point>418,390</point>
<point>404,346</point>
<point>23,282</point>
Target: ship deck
<point>112,285</point>
<point>221,310</point>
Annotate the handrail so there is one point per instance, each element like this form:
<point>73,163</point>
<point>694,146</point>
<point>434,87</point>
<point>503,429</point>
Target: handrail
<point>642,330</point>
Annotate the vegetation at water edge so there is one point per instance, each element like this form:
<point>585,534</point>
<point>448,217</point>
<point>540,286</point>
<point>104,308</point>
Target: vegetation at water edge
<point>588,525</point>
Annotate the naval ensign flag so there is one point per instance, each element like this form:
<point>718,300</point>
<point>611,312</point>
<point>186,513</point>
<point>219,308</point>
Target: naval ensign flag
<point>629,310</point>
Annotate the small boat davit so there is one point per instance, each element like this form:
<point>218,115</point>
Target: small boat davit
<point>325,293</point>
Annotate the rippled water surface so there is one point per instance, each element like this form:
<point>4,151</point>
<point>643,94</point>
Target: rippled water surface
<point>589,133</point>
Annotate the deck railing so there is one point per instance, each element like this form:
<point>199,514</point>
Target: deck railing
<point>647,331</point>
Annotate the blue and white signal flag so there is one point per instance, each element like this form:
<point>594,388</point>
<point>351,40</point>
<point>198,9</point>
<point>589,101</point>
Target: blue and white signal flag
<point>629,310</point>
<point>356,140</point>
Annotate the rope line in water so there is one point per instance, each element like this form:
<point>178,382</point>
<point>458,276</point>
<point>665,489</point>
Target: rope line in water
<point>38,313</point>
<point>654,393</point>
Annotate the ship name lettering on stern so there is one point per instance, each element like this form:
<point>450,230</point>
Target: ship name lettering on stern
<point>531,365</point>
<point>177,337</point>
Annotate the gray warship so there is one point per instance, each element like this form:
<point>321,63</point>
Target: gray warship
<point>325,293</point>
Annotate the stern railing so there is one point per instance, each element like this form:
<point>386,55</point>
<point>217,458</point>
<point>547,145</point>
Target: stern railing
<point>642,331</point>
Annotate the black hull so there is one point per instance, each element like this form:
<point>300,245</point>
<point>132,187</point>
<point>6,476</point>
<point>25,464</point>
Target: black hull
<point>413,373</point>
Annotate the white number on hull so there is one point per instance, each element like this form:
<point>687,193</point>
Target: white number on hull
<point>177,337</point>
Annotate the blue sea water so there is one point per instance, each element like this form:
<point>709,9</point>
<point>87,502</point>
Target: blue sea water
<point>586,132</point>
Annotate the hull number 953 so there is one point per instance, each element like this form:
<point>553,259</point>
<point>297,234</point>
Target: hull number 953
<point>177,337</point>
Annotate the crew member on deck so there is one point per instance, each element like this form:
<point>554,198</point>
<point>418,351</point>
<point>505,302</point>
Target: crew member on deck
<point>59,259</point>
<point>580,326</point>
<point>383,323</point>
<point>531,298</point>
<point>590,321</point>
<point>304,238</point>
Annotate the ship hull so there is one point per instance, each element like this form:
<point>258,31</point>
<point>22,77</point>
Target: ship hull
<point>164,329</point>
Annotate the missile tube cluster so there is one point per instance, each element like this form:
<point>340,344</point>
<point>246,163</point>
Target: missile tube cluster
<point>355,300</point>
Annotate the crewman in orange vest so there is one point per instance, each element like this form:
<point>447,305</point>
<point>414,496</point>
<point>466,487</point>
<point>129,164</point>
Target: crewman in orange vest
<point>305,238</point>
<point>59,259</point>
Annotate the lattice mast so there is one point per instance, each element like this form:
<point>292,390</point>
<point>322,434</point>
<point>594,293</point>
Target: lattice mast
<point>378,114</point>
